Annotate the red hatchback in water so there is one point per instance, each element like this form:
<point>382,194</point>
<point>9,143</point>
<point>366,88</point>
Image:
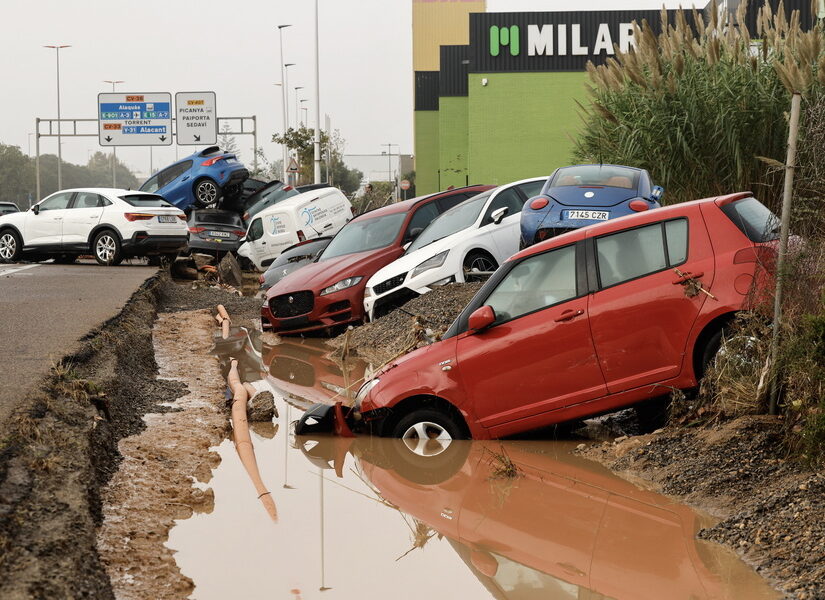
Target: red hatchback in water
<point>588,322</point>
<point>330,291</point>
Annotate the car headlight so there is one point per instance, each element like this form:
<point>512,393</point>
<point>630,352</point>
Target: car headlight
<point>431,263</point>
<point>363,391</point>
<point>341,285</point>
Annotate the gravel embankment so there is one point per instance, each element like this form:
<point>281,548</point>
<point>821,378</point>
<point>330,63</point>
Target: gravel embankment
<point>395,333</point>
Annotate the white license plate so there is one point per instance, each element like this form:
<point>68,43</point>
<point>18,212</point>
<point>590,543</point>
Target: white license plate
<point>221,234</point>
<point>591,215</point>
<point>167,219</point>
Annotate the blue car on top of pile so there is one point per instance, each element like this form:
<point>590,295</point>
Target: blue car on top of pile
<point>200,180</point>
<point>582,195</point>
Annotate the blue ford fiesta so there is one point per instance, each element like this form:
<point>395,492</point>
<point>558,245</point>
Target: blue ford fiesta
<point>581,195</point>
<point>199,180</point>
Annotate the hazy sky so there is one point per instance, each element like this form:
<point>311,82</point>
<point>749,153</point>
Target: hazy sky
<point>228,47</point>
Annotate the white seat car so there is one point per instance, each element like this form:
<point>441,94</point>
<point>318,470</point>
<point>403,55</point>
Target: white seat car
<point>109,223</point>
<point>465,243</point>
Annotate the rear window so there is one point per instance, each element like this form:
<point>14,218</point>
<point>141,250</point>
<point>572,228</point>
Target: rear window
<point>753,219</point>
<point>217,218</point>
<point>146,200</point>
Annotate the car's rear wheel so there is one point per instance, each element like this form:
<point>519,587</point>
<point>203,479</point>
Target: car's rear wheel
<point>10,246</point>
<point>207,193</point>
<point>477,263</point>
<point>107,249</point>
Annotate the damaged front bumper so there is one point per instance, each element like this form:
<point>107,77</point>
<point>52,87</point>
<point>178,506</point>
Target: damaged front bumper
<point>341,420</point>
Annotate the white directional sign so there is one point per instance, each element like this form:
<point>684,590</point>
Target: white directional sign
<point>134,119</point>
<point>196,118</point>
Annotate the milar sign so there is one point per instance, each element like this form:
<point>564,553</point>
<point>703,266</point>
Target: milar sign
<point>552,41</point>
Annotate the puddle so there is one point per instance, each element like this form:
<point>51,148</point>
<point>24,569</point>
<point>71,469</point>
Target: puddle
<point>367,518</point>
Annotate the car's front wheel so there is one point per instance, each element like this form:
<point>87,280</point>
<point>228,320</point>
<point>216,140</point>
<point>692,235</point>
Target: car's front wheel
<point>207,193</point>
<point>477,265</point>
<point>10,246</point>
<point>107,249</point>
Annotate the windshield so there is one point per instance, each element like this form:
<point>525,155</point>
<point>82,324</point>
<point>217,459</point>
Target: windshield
<point>606,175</point>
<point>454,220</point>
<point>365,234</point>
<point>146,201</point>
<point>270,197</point>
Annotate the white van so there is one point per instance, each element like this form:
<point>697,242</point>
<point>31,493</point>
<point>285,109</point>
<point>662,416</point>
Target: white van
<point>309,215</point>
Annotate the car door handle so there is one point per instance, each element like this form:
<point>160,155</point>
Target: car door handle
<point>185,178</point>
<point>685,277</point>
<point>328,226</point>
<point>569,314</point>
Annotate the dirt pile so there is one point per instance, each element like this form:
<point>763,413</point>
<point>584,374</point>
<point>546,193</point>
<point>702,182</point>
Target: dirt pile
<point>396,333</point>
<point>771,509</point>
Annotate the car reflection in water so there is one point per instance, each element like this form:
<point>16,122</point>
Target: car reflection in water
<point>563,528</point>
<point>303,370</point>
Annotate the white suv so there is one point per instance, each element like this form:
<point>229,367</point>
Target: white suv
<point>112,224</point>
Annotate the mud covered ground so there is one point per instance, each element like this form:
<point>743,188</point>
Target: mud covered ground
<point>60,447</point>
<point>772,509</point>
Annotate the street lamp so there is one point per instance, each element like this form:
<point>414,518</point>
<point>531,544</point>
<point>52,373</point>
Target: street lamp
<point>389,166</point>
<point>114,148</point>
<point>283,96</point>
<point>286,112</point>
<point>59,142</point>
<point>317,141</point>
<point>306,111</point>
<point>297,116</point>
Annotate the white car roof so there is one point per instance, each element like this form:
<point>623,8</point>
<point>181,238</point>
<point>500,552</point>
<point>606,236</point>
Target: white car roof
<point>293,201</point>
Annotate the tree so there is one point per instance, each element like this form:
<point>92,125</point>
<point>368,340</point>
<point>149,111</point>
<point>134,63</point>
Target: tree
<point>301,141</point>
<point>16,176</point>
<point>227,141</point>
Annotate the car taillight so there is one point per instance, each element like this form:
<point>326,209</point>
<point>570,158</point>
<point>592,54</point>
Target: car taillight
<point>539,203</point>
<point>261,279</point>
<point>197,229</point>
<point>542,234</point>
<point>182,217</point>
<point>301,236</point>
<point>239,232</point>
<point>211,161</point>
<point>638,205</point>
<point>138,216</point>
<point>287,188</point>
<point>246,216</point>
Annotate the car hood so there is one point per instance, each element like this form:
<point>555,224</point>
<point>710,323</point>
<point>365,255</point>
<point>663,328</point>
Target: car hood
<point>319,275</point>
<point>15,218</point>
<point>408,262</point>
<point>602,196</point>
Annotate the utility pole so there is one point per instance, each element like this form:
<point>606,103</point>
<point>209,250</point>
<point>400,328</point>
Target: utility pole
<point>297,107</point>
<point>59,141</point>
<point>390,176</point>
<point>114,148</point>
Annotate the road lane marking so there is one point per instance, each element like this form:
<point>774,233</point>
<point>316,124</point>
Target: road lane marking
<point>16,269</point>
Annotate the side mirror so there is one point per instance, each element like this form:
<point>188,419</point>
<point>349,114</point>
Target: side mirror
<point>657,193</point>
<point>36,209</point>
<point>498,214</point>
<point>481,319</point>
<point>414,233</point>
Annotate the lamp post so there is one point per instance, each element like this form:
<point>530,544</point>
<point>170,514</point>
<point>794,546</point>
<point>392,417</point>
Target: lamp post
<point>297,106</point>
<point>59,141</point>
<point>317,144</point>
<point>305,109</point>
<point>390,176</point>
<point>286,115</point>
<point>114,148</point>
<point>283,98</point>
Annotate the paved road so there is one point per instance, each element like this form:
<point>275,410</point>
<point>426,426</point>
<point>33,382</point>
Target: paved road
<point>45,309</point>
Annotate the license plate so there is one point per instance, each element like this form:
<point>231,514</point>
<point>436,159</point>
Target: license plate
<point>167,219</point>
<point>590,215</point>
<point>220,234</point>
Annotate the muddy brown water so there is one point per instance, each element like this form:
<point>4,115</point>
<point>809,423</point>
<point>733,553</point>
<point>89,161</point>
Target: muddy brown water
<point>369,518</point>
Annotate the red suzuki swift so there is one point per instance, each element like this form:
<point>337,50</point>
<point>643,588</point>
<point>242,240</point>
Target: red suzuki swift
<point>588,322</point>
<point>330,291</point>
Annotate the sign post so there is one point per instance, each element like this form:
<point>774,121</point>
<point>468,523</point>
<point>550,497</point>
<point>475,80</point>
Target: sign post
<point>196,118</point>
<point>135,119</point>
<point>405,185</point>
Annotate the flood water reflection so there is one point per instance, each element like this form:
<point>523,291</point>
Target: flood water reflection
<point>366,518</point>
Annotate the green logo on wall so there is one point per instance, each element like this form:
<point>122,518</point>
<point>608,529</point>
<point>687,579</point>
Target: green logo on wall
<point>505,36</point>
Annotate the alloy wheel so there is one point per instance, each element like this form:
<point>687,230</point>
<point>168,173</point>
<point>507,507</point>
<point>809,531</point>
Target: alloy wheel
<point>8,246</point>
<point>106,248</point>
<point>207,193</point>
<point>478,263</point>
<point>427,439</point>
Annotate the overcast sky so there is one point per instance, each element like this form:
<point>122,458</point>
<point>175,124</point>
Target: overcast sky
<point>228,47</point>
